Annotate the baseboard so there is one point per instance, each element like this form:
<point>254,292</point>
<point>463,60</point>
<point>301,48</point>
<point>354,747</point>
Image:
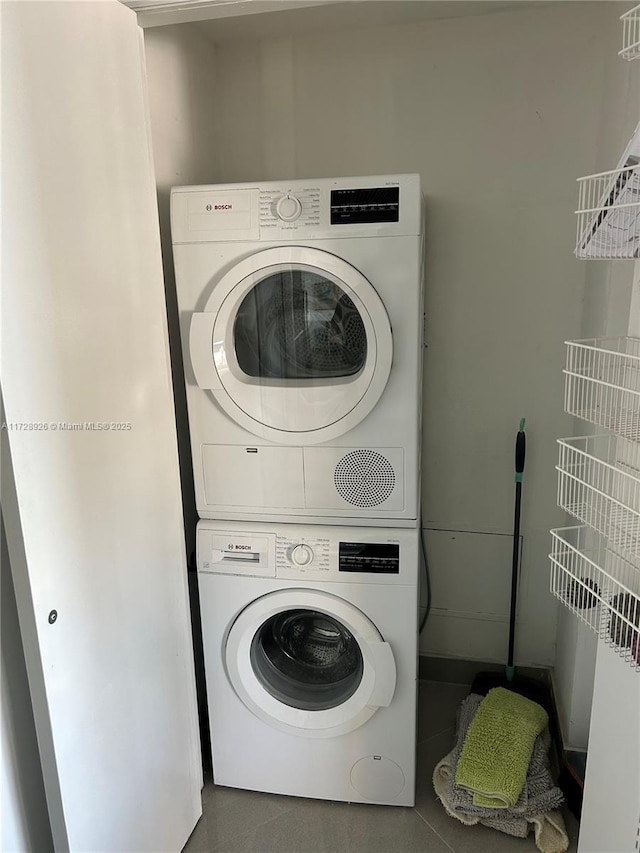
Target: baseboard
<point>454,671</point>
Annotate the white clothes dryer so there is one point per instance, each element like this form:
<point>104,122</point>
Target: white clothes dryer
<point>301,322</point>
<point>310,643</point>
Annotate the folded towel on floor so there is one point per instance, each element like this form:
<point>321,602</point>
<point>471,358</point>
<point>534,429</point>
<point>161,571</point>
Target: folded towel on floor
<point>497,750</point>
<point>549,828</point>
<point>536,808</point>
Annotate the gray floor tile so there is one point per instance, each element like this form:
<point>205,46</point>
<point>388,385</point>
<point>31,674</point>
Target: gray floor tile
<point>236,821</point>
<point>573,828</point>
<point>321,827</point>
<point>199,839</point>
<point>437,707</point>
<point>229,812</point>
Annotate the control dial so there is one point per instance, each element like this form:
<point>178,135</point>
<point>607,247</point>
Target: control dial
<point>302,555</point>
<point>288,208</point>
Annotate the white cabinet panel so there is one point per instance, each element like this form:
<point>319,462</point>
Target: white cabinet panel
<point>94,523</point>
<point>611,808</point>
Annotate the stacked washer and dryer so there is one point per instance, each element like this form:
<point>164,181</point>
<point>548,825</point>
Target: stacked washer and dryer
<point>301,319</point>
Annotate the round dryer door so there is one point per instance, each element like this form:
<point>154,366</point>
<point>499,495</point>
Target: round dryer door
<point>309,663</point>
<point>294,343</point>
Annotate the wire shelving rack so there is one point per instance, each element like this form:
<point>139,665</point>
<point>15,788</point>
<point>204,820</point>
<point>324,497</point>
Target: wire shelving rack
<point>602,384</point>
<point>609,214</point>
<point>599,586</point>
<point>630,34</point>
<point>595,568</point>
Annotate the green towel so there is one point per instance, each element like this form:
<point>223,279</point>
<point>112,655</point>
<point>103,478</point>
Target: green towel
<point>497,750</point>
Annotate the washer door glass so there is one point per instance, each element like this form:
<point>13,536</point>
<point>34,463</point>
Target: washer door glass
<point>297,324</point>
<point>307,660</point>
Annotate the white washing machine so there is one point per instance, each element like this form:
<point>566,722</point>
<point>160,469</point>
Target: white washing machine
<point>310,642</point>
<point>301,322</point>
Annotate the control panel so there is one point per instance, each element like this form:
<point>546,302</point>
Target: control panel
<point>301,555</point>
<point>306,552</point>
<point>298,209</point>
<point>326,558</point>
<point>286,209</point>
<point>282,209</point>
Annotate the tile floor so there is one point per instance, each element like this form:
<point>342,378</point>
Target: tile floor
<point>246,822</point>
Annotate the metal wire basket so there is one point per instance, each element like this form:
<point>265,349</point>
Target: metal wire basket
<point>630,34</point>
<point>609,214</point>
<point>602,383</point>
<point>599,484</point>
<point>599,586</point>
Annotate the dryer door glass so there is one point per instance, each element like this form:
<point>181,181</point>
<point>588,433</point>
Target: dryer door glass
<point>294,344</point>
<point>307,659</point>
<point>295,324</point>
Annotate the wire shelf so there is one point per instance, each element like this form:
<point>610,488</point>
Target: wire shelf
<point>609,214</point>
<point>630,34</point>
<point>602,384</point>
<point>599,484</point>
<point>600,587</point>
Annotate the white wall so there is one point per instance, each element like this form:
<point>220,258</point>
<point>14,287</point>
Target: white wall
<point>181,79</point>
<point>499,114</point>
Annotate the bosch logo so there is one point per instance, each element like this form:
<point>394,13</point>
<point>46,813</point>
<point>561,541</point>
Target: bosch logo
<point>233,547</point>
<point>223,207</point>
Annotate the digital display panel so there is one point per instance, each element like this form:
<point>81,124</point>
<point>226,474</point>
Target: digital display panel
<point>373,558</point>
<point>353,207</point>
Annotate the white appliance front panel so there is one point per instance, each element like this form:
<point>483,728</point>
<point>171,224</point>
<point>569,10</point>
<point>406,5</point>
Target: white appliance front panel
<point>331,479</point>
<point>276,761</point>
<point>393,266</point>
<point>273,759</point>
<point>268,477</point>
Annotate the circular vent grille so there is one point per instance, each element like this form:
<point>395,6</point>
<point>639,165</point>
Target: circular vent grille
<point>364,478</point>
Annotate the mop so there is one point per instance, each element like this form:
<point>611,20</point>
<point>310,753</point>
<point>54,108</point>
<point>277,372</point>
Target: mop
<point>485,681</point>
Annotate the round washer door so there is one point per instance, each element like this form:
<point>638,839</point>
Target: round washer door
<point>309,663</point>
<point>293,343</point>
